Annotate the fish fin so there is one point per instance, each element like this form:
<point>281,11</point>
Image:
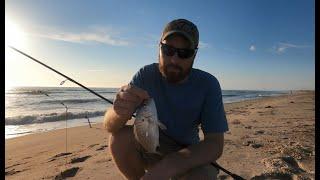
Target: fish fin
<point>162,126</point>
<point>147,134</point>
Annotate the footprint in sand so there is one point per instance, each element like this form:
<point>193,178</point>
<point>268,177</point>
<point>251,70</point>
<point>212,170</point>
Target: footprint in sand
<point>67,173</point>
<point>102,148</point>
<point>80,159</point>
<point>58,155</point>
<point>259,132</point>
<point>287,164</point>
<point>61,154</point>
<point>92,145</point>
<point>15,165</point>
<point>13,171</point>
<point>256,145</point>
<point>104,160</point>
<point>293,163</point>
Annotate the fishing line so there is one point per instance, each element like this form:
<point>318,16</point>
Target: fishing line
<point>86,112</point>
<point>66,107</point>
<point>68,78</point>
<point>66,134</point>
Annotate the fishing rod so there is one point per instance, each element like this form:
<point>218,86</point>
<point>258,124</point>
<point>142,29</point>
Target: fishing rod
<point>68,78</point>
<point>234,176</point>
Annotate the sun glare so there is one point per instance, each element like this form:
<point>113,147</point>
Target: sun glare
<point>14,36</point>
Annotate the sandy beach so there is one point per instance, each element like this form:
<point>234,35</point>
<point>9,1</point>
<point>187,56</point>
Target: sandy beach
<point>271,137</point>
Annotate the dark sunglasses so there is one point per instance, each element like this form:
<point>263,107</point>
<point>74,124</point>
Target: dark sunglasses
<point>182,53</point>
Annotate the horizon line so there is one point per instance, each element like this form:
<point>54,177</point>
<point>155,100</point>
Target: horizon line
<point>30,86</point>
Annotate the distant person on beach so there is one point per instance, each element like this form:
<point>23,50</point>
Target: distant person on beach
<point>186,98</point>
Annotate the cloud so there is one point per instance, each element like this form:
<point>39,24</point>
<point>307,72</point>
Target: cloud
<point>282,47</point>
<point>96,34</point>
<point>252,48</point>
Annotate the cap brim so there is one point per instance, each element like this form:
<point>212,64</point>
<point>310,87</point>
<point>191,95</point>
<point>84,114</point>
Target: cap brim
<point>178,32</point>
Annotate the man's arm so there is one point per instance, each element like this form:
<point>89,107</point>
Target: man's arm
<point>112,121</point>
<point>208,150</point>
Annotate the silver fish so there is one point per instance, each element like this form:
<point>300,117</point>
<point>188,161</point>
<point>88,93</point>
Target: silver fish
<point>146,125</point>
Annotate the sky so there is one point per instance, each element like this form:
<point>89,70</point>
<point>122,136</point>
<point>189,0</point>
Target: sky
<point>245,44</point>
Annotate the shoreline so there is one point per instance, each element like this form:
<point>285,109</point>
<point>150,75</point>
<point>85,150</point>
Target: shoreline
<point>267,137</point>
<point>55,125</point>
<point>77,124</point>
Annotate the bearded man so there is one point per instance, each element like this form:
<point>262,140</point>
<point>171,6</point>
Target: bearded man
<point>186,99</point>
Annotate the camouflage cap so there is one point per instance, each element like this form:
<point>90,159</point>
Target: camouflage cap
<point>183,27</point>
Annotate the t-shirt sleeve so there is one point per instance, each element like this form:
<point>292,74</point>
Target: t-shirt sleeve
<point>213,117</point>
<point>137,79</point>
<point>144,78</point>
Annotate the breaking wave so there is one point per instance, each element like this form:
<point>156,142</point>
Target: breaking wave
<point>31,119</point>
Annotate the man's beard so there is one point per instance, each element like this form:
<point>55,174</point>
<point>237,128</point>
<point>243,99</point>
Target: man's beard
<point>176,76</point>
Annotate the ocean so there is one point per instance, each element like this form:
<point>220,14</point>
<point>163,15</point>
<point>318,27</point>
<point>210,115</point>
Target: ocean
<point>31,110</point>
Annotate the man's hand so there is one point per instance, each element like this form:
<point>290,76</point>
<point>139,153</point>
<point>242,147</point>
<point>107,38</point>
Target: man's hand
<point>127,100</point>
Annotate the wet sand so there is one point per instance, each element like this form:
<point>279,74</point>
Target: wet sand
<point>271,137</point>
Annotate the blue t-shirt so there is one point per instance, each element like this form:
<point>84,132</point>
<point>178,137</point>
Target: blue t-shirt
<point>182,107</point>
